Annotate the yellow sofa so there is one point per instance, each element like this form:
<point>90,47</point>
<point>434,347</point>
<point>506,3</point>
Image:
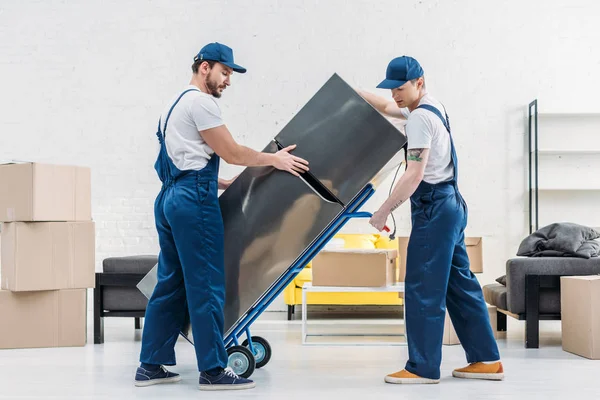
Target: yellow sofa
<point>293,292</point>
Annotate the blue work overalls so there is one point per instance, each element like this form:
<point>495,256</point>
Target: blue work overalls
<point>438,276</point>
<point>191,272</point>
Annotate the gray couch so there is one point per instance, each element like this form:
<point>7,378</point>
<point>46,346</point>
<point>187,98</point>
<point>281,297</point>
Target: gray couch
<point>532,290</point>
<point>116,294</point>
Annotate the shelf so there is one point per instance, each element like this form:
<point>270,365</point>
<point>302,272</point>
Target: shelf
<point>569,114</point>
<point>564,189</point>
<point>557,152</point>
<point>559,220</point>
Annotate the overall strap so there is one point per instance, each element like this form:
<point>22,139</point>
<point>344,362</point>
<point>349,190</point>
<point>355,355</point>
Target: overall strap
<point>437,112</point>
<point>446,122</point>
<point>164,132</point>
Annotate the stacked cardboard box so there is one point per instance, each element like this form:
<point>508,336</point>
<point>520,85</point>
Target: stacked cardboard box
<point>47,254</point>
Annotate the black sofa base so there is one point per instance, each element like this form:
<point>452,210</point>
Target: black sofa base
<point>104,279</point>
<point>532,315</point>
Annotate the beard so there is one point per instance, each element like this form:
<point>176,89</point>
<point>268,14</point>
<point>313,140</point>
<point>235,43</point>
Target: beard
<point>213,87</point>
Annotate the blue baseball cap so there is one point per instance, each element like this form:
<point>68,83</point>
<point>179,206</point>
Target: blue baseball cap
<point>220,53</point>
<point>399,71</point>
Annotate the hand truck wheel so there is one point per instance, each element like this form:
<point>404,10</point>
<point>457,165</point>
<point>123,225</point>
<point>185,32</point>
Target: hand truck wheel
<point>262,350</point>
<point>241,360</point>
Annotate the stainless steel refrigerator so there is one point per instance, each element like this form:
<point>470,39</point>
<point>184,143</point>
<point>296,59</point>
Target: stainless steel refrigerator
<point>271,217</point>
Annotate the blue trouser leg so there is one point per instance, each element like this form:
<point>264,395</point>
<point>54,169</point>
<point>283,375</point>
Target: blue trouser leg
<point>197,278</point>
<point>165,312</point>
<point>435,274</point>
<point>468,311</point>
<point>429,255</point>
<point>195,215</point>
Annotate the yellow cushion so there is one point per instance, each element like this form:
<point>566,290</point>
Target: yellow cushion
<point>304,276</point>
<point>384,242</point>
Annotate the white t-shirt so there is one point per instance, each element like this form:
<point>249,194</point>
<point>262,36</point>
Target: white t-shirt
<point>195,112</point>
<point>425,130</point>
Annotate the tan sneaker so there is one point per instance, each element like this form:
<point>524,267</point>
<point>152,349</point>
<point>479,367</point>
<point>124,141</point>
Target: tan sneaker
<point>479,370</point>
<point>406,377</point>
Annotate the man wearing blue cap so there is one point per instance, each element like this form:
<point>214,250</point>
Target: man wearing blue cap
<point>191,273</point>
<point>437,268</point>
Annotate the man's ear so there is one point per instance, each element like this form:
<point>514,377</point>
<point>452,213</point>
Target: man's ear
<point>205,67</point>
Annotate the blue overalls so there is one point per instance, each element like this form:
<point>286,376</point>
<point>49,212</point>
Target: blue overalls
<point>438,276</point>
<point>191,271</point>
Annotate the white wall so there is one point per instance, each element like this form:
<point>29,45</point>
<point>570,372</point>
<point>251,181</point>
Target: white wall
<point>83,83</point>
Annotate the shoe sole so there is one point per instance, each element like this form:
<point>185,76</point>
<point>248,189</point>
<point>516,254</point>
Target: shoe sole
<point>172,379</point>
<point>240,386</point>
<point>472,375</point>
<point>409,381</point>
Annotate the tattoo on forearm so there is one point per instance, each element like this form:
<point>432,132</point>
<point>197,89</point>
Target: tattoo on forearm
<point>398,204</point>
<point>415,155</point>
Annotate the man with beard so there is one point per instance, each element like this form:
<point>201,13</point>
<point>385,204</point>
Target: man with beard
<point>191,271</point>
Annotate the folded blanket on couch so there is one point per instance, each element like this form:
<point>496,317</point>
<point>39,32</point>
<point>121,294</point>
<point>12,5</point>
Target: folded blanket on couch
<point>562,239</point>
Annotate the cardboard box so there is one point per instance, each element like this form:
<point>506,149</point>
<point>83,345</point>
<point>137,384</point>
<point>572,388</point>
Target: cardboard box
<point>43,319</point>
<point>580,315</point>
<point>474,251</point>
<point>450,337</point>
<point>402,250</point>
<point>355,268</point>
<point>48,255</point>
<point>44,192</point>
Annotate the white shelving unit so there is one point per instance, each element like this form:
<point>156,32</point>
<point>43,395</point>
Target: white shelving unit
<point>567,152</point>
<point>564,167</point>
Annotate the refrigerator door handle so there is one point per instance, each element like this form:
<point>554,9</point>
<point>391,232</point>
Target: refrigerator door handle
<point>319,188</point>
<point>312,182</point>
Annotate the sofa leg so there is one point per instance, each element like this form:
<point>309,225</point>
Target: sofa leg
<point>138,323</point>
<point>290,311</point>
<point>532,311</point>
<point>98,319</point>
<point>500,322</point>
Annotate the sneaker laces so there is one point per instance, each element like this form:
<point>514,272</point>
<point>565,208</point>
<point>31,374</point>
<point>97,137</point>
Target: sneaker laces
<point>229,372</point>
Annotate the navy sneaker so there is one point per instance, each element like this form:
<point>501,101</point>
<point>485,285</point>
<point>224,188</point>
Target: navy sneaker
<point>144,377</point>
<point>226,380</point>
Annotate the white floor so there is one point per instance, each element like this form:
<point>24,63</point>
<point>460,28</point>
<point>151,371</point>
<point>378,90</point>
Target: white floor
<point>298,372</point>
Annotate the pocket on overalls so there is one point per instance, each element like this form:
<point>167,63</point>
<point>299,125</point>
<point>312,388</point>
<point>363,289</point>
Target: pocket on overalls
<point>421,206</point>
<point>203,190</point>
<point>426,201</point>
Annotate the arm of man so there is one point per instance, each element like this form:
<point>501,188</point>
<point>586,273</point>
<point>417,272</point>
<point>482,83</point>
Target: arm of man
<point>419,132</point>
<point>409,181</point>
<point>406,186</point>
<point>207,117</point>
<point>221,141</point>
<point>384,106</point>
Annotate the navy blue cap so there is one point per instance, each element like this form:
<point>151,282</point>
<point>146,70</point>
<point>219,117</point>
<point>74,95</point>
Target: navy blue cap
<point>399,71</point>
<point>220,53</point>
